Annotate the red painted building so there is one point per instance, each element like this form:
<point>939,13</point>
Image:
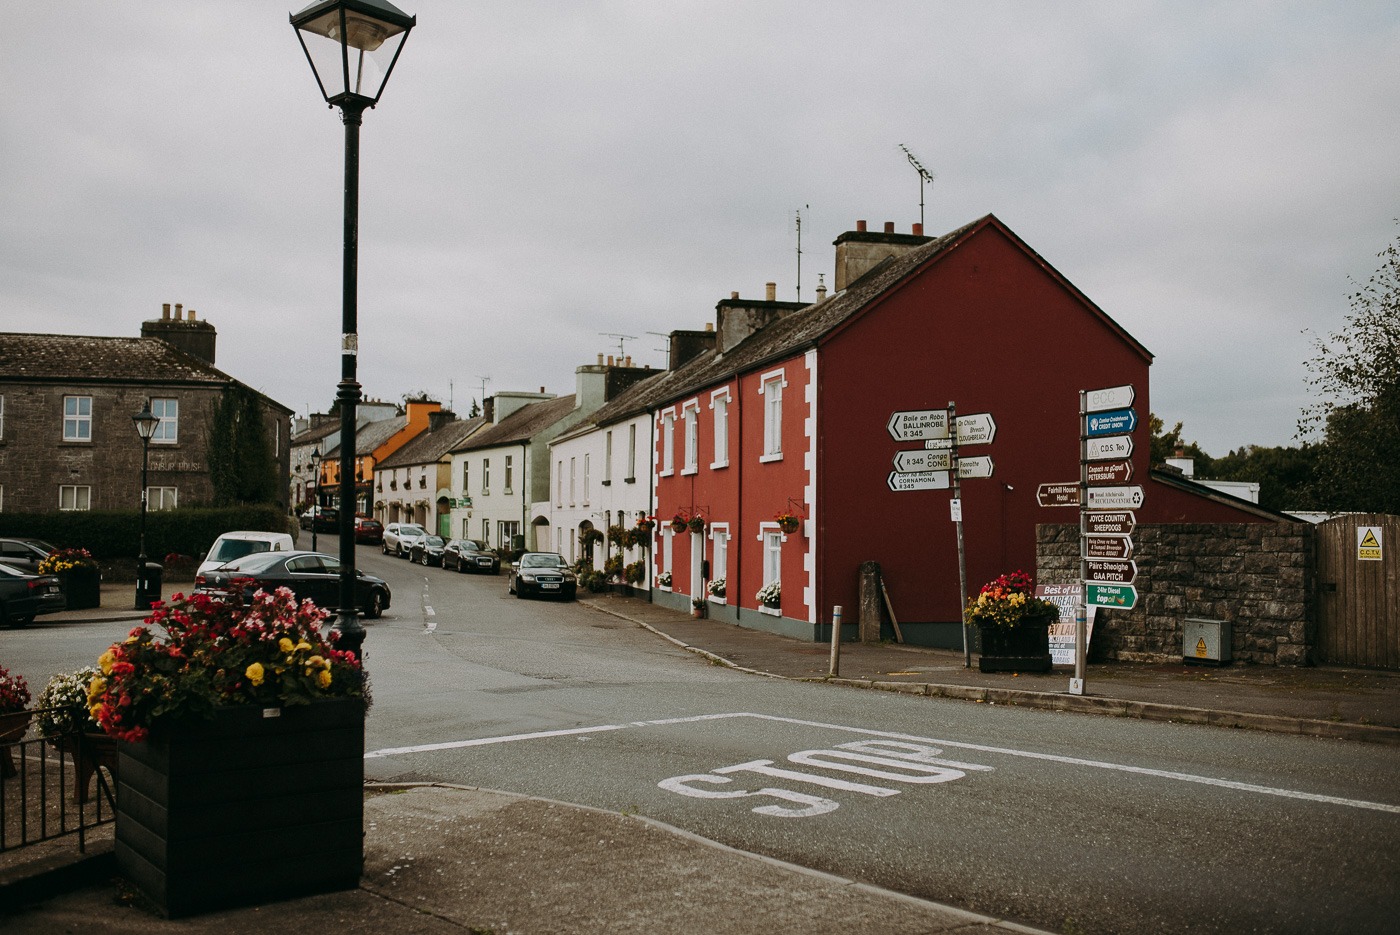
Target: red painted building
<point>784,408</point>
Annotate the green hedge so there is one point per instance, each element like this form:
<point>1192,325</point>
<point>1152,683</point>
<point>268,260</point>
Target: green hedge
<point>113,535</point>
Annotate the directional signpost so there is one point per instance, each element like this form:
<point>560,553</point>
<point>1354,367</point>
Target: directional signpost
<point>980,466</point>
<point>1106,502</point>
<point>978,428</point>
<point>907,462</point>
<point>919,480</point>
<point>917,424</point>
<point>1058,494</point>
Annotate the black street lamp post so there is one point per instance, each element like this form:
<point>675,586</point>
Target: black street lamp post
<point>352,40</point>
<point>315,493</point>
<point>146,422</point>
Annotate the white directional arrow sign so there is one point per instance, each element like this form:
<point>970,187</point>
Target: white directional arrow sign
<point>980,466</point>
<point>918,424</point>
<point>908,462</point>
<point>1114,397</point>
<point>923,480</point>
<point>1108,447</point>
<point>1126,497</point>
<point>977,428</point>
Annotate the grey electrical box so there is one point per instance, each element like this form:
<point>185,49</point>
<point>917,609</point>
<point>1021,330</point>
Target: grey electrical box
<point>1206,642</point>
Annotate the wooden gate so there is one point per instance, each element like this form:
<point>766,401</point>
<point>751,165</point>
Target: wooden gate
<point>1358,585</point>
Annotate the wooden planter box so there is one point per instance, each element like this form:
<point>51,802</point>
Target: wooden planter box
<point>1024,648</point>
<point>246,808</point>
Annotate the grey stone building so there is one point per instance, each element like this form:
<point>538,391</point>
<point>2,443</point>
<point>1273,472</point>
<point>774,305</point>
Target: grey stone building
<point>67,441</point>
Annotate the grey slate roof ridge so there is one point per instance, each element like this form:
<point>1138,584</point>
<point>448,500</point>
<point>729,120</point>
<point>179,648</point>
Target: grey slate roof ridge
<point>429,446</point>
<point>521,425</point>
<point>370,436</point>
<point>61,358</point>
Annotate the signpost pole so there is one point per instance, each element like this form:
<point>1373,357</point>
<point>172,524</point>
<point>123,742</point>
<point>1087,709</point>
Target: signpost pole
<point>1081,607</point>
<point>962,554</point>
<point>835,641</point>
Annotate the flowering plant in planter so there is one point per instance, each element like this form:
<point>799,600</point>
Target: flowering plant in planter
<point>634,573</point>
<point>212,654</point>
<point>716,587</point>
<point>679,522</point>
<point>771,594</point>
<point>663,580</point>
<point>696,524</point>
<point>14,692</point>
<point>646,523</point>
<point>61,560</point>
<point>1006,601</point>
<point>787,522</point>
<point>63,704</point>
<point>618,535</point>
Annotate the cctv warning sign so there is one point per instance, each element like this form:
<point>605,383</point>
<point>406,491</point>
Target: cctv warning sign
<point>1368,543</point>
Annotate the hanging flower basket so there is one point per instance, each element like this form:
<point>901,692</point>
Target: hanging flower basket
<point>678,523</point>
<point>696,524</point>
<point>788,523</point>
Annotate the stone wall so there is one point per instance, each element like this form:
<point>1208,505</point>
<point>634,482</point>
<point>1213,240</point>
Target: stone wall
<point>1258,576</point>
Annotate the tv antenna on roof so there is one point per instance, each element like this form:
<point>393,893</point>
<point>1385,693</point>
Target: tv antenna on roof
<point>798,223</point>
<point>621,346</point>
<point>925,176</point>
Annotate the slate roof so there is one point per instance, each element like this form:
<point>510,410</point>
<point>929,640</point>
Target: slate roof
<point>522,425</point>
<point>316,434</point>
<point>429,447</point>
<point>371,436</point>
<point>70,358</point>
<point>806,327</point>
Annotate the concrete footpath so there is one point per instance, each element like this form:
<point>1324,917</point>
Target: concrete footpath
<point>449,859</point>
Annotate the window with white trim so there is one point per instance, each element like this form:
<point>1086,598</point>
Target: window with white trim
<point>2,417</point>
<point>77,419</point>
<point>74,497</point>
<point>772,390</point>
<point>466,487</point>
<point>573,475</point>
<point>690,416</point>
<point>485,477</point>
<point>631,453</point>
<point>607,458</point>
<point>510,472</point>
<point>167,430</point>
<point>668,443</point>
<point>162,498</point>
<point>772,556</point>
<point>559,482</point>
<point>669,538</point>
<point>719,403</point>
<point>587,480</point>
<point>719,562</point>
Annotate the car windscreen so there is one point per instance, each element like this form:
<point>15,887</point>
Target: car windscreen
<point>407,530</point>
<point>227,550</point>
<point>541,560</point>
<point>434,541</point>
<point>257,563</point>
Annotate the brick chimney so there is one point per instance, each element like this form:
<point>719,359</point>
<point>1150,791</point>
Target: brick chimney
<point>194,337</point>
<point>738,318</point>
<point>859,251</point>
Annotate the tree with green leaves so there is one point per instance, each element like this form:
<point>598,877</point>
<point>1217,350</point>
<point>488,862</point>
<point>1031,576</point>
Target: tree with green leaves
<point>1357,375</point>
<point>1166,444</point>
<point>241,465</point>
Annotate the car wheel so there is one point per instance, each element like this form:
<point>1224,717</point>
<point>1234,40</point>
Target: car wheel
<point>383,549</point>
<point>374,608</point>
<point>461,569</point>
<point>519,593</point>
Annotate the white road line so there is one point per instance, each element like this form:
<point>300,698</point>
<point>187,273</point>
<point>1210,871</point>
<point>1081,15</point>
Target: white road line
<point>982,748</point>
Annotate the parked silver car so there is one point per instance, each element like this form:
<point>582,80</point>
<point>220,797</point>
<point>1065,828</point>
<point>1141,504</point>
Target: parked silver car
<point>399,538</point>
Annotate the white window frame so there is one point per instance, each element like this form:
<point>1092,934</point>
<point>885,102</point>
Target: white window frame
<point>668,539</point>
<point>559,483</point>
<point>719,559</point>
<point>510,473</point>
<point>167,410</point>
<point>607,450</point>
<point>719,404</point>
<point>631,453</point>
<point>77,425</point>
<point>466,485</point>
<point>486,477</point>
<point>162,498</point>
<point>668,442</point>
<point>587,477</point>
<point>79,500</point>
<point>573,476</point>
<point>771,386</point>
<point>690,418</point>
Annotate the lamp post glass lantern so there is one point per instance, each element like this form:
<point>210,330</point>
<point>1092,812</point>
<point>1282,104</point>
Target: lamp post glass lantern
<point>145,422</point>
<point>352,47</point>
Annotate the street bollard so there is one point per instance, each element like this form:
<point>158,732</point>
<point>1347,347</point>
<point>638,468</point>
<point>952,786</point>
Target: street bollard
<point>835,641</point>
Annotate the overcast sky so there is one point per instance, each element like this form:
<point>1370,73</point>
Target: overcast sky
<point>542,173</point>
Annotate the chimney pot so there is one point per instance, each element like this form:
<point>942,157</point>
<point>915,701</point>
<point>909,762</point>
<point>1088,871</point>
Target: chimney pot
<point>770,291</point>
<point>600,359</point>
<point>860,227</point>
<point>709,326</point>
<point>179,312</point>
<point>165,312</point>
<point>918,229</point>
<point>541,389</point>
<point>734,295</point>
<point>627,361</point>
<point>192,314</point>
<point>889,227</point>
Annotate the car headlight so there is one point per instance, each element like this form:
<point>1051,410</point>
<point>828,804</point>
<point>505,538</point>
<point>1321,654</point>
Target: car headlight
<point>527,576</point>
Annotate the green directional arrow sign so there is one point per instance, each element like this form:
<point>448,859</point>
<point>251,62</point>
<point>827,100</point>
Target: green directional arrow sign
<point>1120,596</point>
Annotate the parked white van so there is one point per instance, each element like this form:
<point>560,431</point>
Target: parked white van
<point>232,545</point>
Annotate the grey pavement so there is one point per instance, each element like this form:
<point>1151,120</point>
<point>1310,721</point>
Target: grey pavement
<point>443,858</point>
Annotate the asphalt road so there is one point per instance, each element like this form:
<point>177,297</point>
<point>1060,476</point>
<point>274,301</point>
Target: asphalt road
<point>1067,822</point>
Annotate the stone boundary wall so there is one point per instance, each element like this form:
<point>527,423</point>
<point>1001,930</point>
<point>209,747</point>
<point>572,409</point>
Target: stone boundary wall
<point>1258,576</point>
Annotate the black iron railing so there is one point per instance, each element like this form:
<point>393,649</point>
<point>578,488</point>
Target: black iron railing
<point>55,786</point>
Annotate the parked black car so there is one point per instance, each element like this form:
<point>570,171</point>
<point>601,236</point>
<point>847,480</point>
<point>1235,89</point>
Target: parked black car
<point>23,596</point>
<point>24,554</point>
<point>470,555</point>
<point>427,550</point>
<point>313,575</point>
<point>324,518</point>
<point>542,574</point>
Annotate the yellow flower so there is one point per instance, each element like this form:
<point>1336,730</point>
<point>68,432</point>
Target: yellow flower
<point>303,646</point>
<point>318,662</point>
<point>255,673</point>
<point>324,678</point>
<point>96,687</point>
<point>285,645</point>
<point>105,661</point>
